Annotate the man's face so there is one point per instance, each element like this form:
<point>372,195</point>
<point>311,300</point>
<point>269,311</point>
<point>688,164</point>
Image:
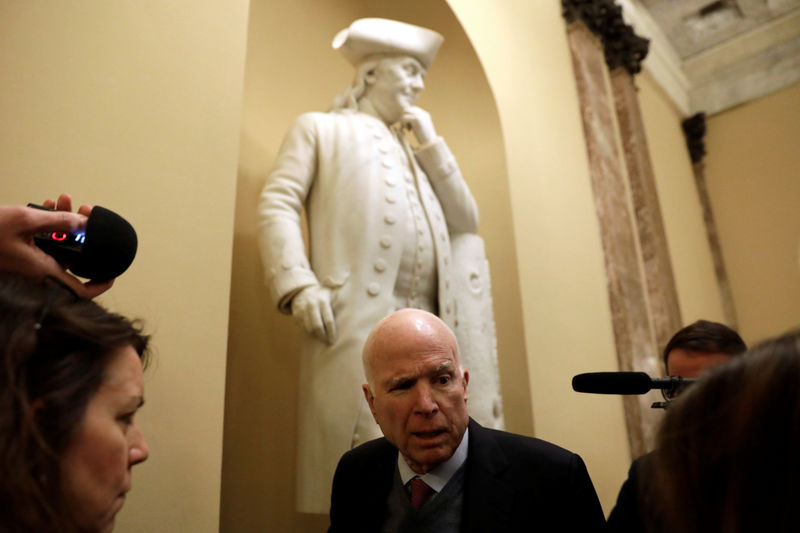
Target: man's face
<point>395,86</point>
<point>691,363</point>
<point>419,398</point>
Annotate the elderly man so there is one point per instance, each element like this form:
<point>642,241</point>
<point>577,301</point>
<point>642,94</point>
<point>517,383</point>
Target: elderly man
<point>436,470</point>
<point>689,353</point>
<point>381,215</point>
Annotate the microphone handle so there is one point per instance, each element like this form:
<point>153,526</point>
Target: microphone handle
<point>670,382</point>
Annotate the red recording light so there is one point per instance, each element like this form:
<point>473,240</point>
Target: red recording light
<point>59,236</point>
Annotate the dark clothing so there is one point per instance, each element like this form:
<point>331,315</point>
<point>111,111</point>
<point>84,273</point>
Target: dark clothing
<point>440,514</point>
<point>512,483</point>
<point>626,516</point>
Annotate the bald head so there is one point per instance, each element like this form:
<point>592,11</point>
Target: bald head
<point>404,330</point>
<point>417,390</point>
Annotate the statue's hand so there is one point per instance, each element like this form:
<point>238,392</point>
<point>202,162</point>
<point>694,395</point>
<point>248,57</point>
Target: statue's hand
<point>420,123</point>
<point>311,308</point>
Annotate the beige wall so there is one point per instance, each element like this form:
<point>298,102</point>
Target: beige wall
<point>753,179</point>
<point>698,293</point>
<point>135,106</point>
<point>522,46</point>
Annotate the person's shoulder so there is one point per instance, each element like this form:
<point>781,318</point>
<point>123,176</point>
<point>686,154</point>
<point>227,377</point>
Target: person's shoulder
<point>374,449</point>
<point>642,461</point>
<point>640,467</point>
<point>329,116</point>
<point>540,461</point>
<point>372,460</point>
<point>551,475</point>
<point>531,446</point>
<point>329,121</point>
<point>310,119</point>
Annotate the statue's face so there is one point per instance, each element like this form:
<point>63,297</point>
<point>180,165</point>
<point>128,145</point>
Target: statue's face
<point>395,86</point>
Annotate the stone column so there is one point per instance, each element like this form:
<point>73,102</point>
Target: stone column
<point>606,54</point>
<point>624,52</point>
<point>630,316</point>
<point>694,128</point>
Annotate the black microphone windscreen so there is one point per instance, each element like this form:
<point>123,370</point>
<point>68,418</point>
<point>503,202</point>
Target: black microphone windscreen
<point>109,248</point>
<point>612,383</point>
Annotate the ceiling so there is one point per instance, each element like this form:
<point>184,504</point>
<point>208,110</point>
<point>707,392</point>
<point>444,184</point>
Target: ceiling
<point>711,55</point>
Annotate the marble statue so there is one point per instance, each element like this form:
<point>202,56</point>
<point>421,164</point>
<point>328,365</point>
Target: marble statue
<point>391,224</point>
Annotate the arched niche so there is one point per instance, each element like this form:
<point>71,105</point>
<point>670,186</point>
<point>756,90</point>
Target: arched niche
<point>292,69</point>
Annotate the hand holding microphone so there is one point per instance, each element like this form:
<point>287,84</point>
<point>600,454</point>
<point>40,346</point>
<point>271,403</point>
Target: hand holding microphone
<point>33,242</point>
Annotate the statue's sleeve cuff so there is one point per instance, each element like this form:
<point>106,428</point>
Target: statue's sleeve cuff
<point>437,159</point>
<point>286,284</point>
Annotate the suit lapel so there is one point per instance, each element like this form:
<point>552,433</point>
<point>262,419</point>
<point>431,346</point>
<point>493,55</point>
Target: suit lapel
<point>487,493</point>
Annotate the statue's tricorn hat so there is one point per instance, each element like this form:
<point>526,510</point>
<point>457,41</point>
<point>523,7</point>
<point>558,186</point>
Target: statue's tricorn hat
<point>372,36</point>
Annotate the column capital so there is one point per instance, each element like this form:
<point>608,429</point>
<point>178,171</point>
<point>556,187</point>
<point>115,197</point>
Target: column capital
<point>621,46</point>
<point>694,129</point>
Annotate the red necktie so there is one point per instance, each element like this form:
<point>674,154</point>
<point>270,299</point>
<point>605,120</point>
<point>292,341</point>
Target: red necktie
<point>420,492</point>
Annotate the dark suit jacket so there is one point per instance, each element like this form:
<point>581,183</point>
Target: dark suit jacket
<point>512,483</point>
<point>630,513</point>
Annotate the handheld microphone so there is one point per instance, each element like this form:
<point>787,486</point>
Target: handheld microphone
<point>102,251</point>
<point>626,383</point>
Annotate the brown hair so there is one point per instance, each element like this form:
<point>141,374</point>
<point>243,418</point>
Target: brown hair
<point>55,349</point>
<point>706,336</point>
<point>727,455</point>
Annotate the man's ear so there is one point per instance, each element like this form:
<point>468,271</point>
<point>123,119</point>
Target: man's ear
<point>370,399</point>
<point>370,76</point>
<point>465,379</point>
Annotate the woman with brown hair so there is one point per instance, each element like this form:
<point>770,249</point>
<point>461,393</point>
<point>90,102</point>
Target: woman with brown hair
<point>70,385</point>
<point>728,454</point>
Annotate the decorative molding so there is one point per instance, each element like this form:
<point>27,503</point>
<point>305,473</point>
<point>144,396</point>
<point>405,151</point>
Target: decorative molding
<point>758,75</point>
<point>730,68</point>
<point>663,61</point>
<point>694,129</point>
<point>621,46</point>
<point>754,42</point>
<point>591,12</point>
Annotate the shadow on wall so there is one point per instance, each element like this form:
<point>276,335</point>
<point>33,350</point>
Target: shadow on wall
<point>291,69</point>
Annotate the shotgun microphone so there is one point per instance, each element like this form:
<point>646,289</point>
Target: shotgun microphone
<point>627,383</point>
